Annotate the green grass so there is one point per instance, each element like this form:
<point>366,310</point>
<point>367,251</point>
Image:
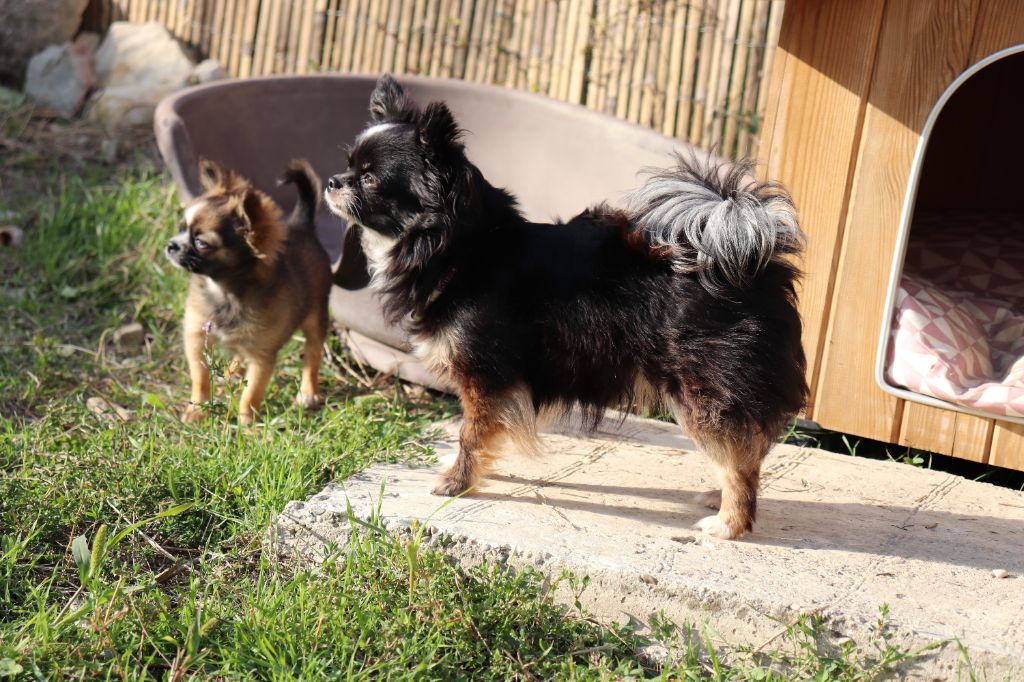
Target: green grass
<point>193,591</point>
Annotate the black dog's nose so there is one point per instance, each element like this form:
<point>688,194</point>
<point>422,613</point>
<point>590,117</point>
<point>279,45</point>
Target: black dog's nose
<point>173,247</point>
<point>335,182</point>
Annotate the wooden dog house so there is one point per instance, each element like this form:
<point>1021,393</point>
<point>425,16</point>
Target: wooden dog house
<point>857,91</point>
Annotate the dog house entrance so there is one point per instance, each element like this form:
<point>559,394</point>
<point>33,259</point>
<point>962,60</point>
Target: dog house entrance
<point>954,329</point>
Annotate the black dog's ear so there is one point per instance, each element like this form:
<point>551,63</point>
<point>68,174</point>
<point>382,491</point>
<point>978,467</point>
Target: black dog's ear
<point>388,102</point>
<point>439,133</point>
<point>210,174</point>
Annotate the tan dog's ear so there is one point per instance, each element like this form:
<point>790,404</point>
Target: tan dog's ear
<point>247,207</point>
<point>210,174</point>
<point>258,223</point>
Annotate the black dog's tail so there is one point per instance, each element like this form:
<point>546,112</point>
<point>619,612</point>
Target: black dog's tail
<point>302,175</point>
<point>720,223</point>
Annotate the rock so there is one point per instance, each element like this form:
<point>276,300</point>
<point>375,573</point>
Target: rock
<point>1000,573</point>
<point>107,410</point>
<point>130,337</point>
<point>141,55</point>
<point>11,235</point>
<point>28,26</point>
<point>137,66</point>
<point>61,76</point>
<point>207,71</point>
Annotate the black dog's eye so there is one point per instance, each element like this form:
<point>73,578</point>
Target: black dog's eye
<point>200,244</point>
<point>368,180</point>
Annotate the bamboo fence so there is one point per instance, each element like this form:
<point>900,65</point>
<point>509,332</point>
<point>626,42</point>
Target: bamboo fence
<point>695,70</point>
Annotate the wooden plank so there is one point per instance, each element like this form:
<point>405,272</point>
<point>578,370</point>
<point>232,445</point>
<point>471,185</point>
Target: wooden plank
<point>557,65</point>
<point>513,52</point>
<point>598,46</point>
<point>317,48</point>
<point>694,22</point>
<point>721,60</point>
<point>418,37</point>
<point>247,53</point>
<point>755,77</point>
<point>216,32</point>
<point>579,54</point>
<point>501,30</point>
<point>547,44</point>
<point>461,37</point>
<point>442,24</point>
<point>659,92</point>
<point>917,59</point>
<point>945,431</point>
<point>351,27</point>
<point>738,78</point>
<point>172,19</point>
<point>571,29</point>
<point>361,22</point>
<point>708,31</point>
<point>450,36</point>
<point>1000,24</point>
<point>642,107</point>
<point>305,27</point>
<point>290,52</point>
<point>433,36</point>
<point>614,54</point>
<point>374,35</point>
<point>675,70</point>
<point>1007,446</point>
<point>628,57</point>
<point>233,38</point>
<point>824,56</point>
<point>402,38</point>
<point>389,45</point>
<point>283,43</point>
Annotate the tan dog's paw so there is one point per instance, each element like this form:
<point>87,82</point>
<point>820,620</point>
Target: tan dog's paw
<point>717,528</point>
<point>711,499</point>
<point>193,414</point>
<point>448,487</point>
<point>309,401</point>
<point>246,418</point>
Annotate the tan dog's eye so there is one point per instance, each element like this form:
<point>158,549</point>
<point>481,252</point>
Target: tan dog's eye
<point>200,244</point>
<point>368,180</point>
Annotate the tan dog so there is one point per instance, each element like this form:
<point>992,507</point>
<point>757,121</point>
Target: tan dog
<point>256,278</point>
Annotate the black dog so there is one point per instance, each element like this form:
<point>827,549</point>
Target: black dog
<point>686,298</point>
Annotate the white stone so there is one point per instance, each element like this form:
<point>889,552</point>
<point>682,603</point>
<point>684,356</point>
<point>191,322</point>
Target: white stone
<point>141,55</point>
<point>61,76</point>
<point>137,66</point>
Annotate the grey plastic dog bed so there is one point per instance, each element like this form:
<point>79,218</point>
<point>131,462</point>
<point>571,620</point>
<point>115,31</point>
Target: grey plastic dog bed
<point>557,158</point>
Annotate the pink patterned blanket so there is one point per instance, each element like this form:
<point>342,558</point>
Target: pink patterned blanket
<point>958,333</point>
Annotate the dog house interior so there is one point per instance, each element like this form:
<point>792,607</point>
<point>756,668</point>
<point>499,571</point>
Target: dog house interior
<point>896,126</point>
<point>955,332</point>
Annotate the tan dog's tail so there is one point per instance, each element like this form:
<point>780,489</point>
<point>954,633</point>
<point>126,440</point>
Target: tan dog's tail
<point>302,175</point>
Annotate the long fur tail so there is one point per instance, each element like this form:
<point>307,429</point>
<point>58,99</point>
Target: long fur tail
<point>720,223</point>
<point>307,183</point>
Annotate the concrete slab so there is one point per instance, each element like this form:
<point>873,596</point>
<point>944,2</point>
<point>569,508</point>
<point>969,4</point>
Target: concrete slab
<point>836,535</point>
